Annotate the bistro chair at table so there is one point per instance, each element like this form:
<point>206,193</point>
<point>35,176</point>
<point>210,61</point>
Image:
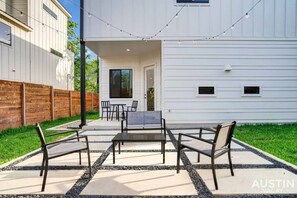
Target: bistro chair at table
<point>105,107</point>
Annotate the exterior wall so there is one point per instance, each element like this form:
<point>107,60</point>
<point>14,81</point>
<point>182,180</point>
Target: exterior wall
<point>28,59</point>
<point>269,64</point>
<point>137,64</point>
<point>270,19</point>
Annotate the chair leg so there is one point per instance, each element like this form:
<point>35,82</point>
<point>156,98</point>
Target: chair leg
<point>230,163</point>
<point>214,173</point>
<point>89,162</point>
<point>42,165</point>
<point>178,158</point>
<point>198,157</point>
<point>79,153</point>
<point>45,175</point>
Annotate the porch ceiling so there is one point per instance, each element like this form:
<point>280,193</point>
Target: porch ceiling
<point>119,48</point>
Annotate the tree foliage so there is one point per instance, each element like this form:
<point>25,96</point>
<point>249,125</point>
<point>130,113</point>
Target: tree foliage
<point>92,69</point>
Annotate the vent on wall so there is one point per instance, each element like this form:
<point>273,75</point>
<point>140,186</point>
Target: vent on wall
<point>48,10</point>
<point>192,1</point>
<point>55,52</point>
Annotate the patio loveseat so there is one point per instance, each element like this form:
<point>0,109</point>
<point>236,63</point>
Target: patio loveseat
<point>143,120</point>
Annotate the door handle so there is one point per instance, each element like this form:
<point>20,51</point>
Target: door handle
<point>144,96</point>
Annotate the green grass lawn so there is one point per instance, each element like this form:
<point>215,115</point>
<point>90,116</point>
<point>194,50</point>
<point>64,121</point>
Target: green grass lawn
<point>20,141</point>
<point>278,140</point>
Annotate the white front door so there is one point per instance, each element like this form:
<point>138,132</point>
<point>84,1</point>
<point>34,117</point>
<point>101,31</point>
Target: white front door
<point>149,88</point>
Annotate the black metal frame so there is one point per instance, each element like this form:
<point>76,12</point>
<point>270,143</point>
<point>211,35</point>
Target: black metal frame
<point>213,156</point>
<point>126,128</point>
<point>105,105</point>
<point>45,146</point>
<point>133,138</point>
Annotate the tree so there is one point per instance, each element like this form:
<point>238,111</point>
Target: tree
<point>92,70</point>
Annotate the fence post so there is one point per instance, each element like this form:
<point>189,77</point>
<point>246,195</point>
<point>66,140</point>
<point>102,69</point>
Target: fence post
<point>92,103</point>
<point>24,104</point>
<point>53,102</point>
<point>70,103</point>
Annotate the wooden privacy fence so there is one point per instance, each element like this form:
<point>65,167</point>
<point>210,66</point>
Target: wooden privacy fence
<point>26,103</point>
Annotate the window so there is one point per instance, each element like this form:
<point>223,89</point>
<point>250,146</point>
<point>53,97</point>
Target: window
<point>251,91</point>
<point>5,34</point>
<point>120,83</point>
<point>206,90</point>
<point>48,10</point>
<point>192,1</point>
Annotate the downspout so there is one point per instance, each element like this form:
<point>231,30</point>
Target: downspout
<point>82,68</point>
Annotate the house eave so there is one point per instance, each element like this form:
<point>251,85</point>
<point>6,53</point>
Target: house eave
<point>59,5</point>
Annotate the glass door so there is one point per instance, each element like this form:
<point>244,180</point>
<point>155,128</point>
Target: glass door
<point>149,88</point>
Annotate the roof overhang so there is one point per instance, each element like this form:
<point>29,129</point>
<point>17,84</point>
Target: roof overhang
<point>123,48</point>
<point>59,5</point>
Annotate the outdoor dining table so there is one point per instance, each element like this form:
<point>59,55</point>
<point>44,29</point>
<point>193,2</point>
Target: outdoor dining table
<point>117,106</point>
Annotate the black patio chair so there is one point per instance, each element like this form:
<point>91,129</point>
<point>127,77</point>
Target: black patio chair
<point>60,148</point>
<point>105,107</point>
<point>131,108</point>
<point>211,148</point>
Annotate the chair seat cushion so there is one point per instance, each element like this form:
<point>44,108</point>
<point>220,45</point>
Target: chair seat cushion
<point>64,148</point>
<point>203,147</point>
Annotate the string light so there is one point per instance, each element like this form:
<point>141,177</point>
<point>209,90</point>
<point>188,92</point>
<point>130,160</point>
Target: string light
<point>247,15</point>
<point>36,20</point>
<point>145,38</point>
<point>129,33</point>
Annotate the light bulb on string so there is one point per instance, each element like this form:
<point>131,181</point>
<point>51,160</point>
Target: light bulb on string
<point>89,15</point>
<point>232,27</point>
<point>22,14</point>
<point>167,26</point>
<point>176,16</point>
<point>247,15</point>
<point>108,25</point>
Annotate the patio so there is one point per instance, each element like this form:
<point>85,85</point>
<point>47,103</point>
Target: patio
<point>139,171</point>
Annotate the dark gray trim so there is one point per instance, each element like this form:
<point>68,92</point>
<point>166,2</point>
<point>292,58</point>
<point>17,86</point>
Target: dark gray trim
<point>82,68</point>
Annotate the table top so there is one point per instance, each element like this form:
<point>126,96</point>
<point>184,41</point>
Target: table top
<point>139,137</point>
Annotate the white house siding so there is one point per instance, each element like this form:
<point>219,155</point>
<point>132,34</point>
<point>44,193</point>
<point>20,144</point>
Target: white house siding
<point>29,58</point>
<point>269,64</point>
<point>270,19</point>
<point>137,64</point>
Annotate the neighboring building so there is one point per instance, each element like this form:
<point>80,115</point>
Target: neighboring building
<point>248,75</point>
<point>33,43</point>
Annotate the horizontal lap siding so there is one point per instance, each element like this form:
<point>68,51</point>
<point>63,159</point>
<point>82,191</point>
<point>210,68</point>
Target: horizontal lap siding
<point>38,103</point>
<point>10,104</point>
<point>75,103</point>
<point>62,103</point>
<point>269,64</point>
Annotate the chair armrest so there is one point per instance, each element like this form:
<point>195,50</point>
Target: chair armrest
<point>164,122</point>
<point>122,125</point>
<point>63,132</point>
<point>197,138</point>
<point>65,140</point>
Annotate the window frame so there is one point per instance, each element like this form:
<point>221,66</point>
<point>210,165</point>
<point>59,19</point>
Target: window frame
<point>7,44</point>
<point>131,78</point>
<point>251,95</point>
<point>206,95</point>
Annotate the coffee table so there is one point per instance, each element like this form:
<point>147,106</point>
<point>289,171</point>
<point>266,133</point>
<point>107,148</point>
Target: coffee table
<point>139,137</point>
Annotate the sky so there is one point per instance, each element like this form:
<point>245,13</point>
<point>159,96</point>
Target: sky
<point>72,6</point>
